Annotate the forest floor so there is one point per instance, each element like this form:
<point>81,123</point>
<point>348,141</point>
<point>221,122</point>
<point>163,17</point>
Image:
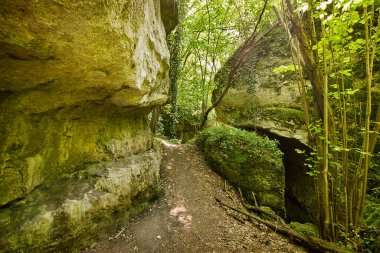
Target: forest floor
<point>188,219</point>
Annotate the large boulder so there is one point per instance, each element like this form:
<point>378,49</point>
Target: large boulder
<point>261,97</point>
<point>77,81</point>
<point>265,98</point>
<point>250,162</point>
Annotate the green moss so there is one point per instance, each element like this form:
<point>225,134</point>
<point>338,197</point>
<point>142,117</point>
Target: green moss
<point>305,228</point>
<point>283,114</point>
<point>250,162</point>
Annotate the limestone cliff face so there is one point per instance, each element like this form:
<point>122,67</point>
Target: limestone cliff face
<point>70,74</point>
<point>77,81</point>
<point>261,98</point>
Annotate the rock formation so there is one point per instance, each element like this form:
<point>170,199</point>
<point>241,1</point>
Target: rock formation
<point>261,98</point>
<point>77,81</point>
<point>269,103</point>
<point>249,162</point>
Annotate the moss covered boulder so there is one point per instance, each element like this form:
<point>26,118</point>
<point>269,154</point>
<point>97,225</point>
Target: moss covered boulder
<point>250,162</point>
<point>265,94</point>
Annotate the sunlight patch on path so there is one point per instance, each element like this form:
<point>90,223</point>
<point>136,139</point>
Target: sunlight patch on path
<point>169,145</point>
<point>179,213</point>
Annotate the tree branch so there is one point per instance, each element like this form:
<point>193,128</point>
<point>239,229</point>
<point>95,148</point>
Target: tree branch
<point>243,54</point>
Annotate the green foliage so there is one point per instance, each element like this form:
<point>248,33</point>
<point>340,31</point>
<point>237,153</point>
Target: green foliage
<point>174,40</point>
<point>372,212</point>
<point>241,144</point>
<point>212,31</point>
<point>344,38</point>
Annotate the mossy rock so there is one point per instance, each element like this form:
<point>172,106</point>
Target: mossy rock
<point>308,229</point>
<point>77,82</point>
<point>283,114</point>
<point>83,207</point>
<point>250,162</point>
<point>260,97</point>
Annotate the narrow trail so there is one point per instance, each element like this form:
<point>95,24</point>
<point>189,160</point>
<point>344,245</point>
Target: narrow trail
<point>188,219</point>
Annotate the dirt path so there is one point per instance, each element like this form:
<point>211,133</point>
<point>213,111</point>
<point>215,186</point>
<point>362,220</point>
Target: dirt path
<point>188,219</point>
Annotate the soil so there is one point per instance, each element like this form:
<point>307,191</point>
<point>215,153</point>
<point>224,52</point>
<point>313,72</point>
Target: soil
<point>188,219</point>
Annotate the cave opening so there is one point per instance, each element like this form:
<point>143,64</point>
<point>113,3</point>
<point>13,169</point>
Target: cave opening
<point>299,186</point>
<point>300,196</point>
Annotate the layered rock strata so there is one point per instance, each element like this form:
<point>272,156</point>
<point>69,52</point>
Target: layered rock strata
<point>77,82</point>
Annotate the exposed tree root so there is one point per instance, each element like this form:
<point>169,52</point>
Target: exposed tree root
<point>310,242</point>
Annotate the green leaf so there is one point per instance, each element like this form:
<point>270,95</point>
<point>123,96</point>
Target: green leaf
<point>351,92</point>
<point>345,72</point>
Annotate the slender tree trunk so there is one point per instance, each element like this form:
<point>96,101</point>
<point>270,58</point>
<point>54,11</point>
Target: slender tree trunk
<point>345,161</point>
<point>325,208</point>
<point>319,81</point>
